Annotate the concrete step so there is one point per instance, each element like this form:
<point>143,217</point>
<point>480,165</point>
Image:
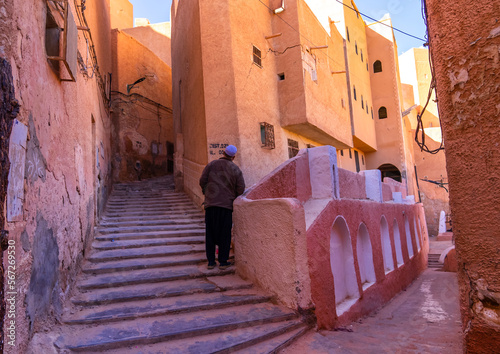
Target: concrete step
<point>165,306</point>
<point>228,342</point>
<point>153,216</point>
<point>182,230</point>
<point>160,290</point>
<point>153,330</point>
<point>150,206</point>
<point>148,252</point>
<point>153,212</point>
<point>174,225</point>
<point>148,276</point>
<point>158,222</point>
<point>109,245</point>
<point>140,263</point>
<point>277,342</point>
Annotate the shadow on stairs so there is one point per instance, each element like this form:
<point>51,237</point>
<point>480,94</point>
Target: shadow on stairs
<point>145,287</point>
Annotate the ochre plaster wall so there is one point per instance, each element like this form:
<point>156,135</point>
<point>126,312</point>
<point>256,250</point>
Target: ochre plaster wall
<point>68,161</point>
<point>467,70</point>
<point>121,14</point>
<point>142,117</point>
<point>156,37</point>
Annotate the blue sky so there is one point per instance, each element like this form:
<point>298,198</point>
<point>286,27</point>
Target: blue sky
<point>405,14</point>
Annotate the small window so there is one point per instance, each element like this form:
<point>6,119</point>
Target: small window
<point>377,66</point>
<point>363,159</point>
<point>347,32</point>
<point>356,47</point>
<point>362,102</point>
<point>342,102</point>
<point>361,54</point>
<point>267,136</point>
<point>257,56</point>
<point>367,65</point>
<point>350,154</point>
<point>354,92</point>
<point>382,113</point>
<point>281,76</point>
<point>371,109</point>
<point>366,106</point>
<point>341,152</point>
<point>293,148</point>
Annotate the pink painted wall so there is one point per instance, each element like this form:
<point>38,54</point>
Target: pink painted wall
<point>467,73</point>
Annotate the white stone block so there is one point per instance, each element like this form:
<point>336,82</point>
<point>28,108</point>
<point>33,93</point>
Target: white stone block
<point>397,197</point>
<point>324,172</point>
<point>410,199</point>
<point>373,185</point>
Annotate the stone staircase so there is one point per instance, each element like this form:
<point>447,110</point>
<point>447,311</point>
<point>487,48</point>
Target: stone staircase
<point>145,287</point>
<point>433,261</point>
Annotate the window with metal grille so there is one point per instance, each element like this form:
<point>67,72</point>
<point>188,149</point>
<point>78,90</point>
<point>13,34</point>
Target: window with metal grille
<point>293,148</point>
<point>257,56</point>
<point>267,135</point>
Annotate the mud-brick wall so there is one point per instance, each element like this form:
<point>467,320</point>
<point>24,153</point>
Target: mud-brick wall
<point>465,47</point>
<point>60,161</point>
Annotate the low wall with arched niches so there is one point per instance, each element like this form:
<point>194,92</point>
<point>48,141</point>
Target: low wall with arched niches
<point>321,238</point>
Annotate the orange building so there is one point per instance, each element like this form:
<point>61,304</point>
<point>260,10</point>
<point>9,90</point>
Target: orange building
<point>288,75</point>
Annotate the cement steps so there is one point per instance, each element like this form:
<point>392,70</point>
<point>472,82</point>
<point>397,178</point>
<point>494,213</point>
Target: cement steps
<point>433,261</point>
<point>145,286</point>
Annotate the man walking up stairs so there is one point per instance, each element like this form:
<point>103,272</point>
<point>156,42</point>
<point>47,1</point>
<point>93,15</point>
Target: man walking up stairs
<point>145,287</point>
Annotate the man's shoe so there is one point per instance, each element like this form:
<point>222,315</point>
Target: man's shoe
<point>211,266</point>
<point>225,265</point>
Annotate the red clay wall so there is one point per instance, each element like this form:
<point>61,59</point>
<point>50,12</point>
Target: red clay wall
<point>464,42</point>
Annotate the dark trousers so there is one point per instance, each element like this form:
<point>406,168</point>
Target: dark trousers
<point>219,222</point>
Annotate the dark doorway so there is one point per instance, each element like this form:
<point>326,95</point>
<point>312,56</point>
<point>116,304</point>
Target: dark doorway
<point>391,171</point>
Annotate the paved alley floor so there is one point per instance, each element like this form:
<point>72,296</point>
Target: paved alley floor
<point>425,318</point>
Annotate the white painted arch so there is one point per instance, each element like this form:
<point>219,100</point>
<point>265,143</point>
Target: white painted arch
<point>365,257</point>
<point>397,243</point>
<point>385,240</point>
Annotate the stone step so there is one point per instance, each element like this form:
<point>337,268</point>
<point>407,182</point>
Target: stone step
<point>195,218</point>
<point>166,306</point>
<point>153,212</point>
<point>141,263</point>
<point>160,290</point>
<point>153,203</point>
<point>147,276</point>
<point>153,330</point>
<point>278,342</point>
<point>174,225</point>
<point>185,230</point>
<point>152,216</point>
<point>148,252</point>
<point>228,342</point>
<point>109,245</point>
<point>148,206</point>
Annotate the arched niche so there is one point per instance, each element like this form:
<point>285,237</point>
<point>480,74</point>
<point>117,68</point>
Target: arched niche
<point>365,257</point>
<point>397,243</point>
<point>417,234</point>
<point>342,265</point>
<point>409,244</point>
<point>385,240</point>
<point>389,170</point>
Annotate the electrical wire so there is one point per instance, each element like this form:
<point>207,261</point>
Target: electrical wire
<point>377,21</point>
<point>419,131</point>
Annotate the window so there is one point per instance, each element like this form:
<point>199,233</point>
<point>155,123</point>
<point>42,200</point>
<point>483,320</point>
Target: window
<point>363,159</point>
<point>257,56</point>
<point>293,148</point>
<point>267,136</point>
<point>366,106</point>
<point>354,91</point>
<point>341,152</point>
<point>361,54</point>
<point>367,65</point>
<point>281,76</point>
<point>356,160</point>
<point>371,109</point>
<point>362,103</point>
<point>356,47</point>
<point>382,113</point>
<point>350,154</point>
<point>347,32</point>
<point>377,66</point>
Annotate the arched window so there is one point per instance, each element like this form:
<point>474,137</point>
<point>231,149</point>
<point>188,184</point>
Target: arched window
<point>356,47</point>
<point>382,113</point>
<point>354,91</point>
<point>377,66</point>
<point>391,171</point>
